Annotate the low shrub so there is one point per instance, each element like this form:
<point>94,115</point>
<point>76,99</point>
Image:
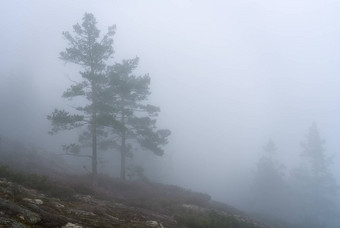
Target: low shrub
<point>210,219</point>
<point>37,182</point>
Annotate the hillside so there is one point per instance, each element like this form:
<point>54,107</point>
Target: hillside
<point>57,199</point>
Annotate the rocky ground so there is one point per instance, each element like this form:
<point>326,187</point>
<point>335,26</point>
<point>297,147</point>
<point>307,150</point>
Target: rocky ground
<point>22,207</point>
<point>26,207</point>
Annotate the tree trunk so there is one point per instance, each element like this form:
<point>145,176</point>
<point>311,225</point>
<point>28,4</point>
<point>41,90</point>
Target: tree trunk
<point>123,149</point>
<point>94,136</point>
<point>94,146</point>
<point>122,160</point>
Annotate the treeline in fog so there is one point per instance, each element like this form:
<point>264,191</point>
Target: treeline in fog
<point>305,195</point>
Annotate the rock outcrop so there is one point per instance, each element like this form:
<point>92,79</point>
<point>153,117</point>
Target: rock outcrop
<point>22,207</point>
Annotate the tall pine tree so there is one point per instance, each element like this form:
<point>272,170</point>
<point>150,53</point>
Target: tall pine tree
<point>87,50</point>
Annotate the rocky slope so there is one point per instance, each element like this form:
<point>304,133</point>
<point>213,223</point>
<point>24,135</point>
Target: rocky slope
<point>58,199</point>
<point>23,207</point>
<point>131,204</point>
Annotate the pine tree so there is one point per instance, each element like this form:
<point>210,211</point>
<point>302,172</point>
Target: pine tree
<point>269,185</point>
<point>317,185</point>
<point>133,120</point>
<point>86,49</point>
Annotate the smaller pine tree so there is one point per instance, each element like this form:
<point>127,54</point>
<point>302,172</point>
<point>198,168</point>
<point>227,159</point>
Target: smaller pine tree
<point>269,183</point>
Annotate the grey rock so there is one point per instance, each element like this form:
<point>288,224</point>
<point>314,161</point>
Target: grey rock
<point>7,222</point>
<point>12,209</point>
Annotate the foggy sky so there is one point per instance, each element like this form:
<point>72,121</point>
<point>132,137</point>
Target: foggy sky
<point>228,75</point>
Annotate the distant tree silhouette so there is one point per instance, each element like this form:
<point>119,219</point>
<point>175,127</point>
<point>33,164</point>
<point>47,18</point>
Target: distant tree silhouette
<point>315,183</point>
<point>269,184</point>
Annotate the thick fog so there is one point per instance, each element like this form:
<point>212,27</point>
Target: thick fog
<point>227,75</point>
